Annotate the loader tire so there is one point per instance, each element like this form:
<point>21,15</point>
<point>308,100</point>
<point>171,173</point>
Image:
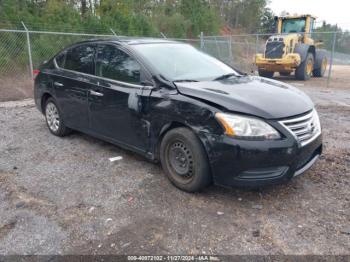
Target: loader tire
<point>320,65</point>
<point>304,70</point>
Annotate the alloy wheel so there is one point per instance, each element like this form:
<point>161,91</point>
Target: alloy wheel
<point>52,117</point>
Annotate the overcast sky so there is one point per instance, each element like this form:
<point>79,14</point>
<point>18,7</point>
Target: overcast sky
<point>333,11</point>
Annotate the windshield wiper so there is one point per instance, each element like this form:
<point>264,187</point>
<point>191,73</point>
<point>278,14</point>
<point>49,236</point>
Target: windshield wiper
<point>226,76</point>
<point>186,80</point>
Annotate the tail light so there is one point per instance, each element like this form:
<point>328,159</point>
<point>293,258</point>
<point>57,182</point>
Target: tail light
<point>35,73</point>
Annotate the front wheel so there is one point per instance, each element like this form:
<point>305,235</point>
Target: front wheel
<point>184,160</point>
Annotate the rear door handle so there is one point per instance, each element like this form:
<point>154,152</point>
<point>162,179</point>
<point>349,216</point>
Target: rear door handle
<point>58,84</point>
<point>94,93</point>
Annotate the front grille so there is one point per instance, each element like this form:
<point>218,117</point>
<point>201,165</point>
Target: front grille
<point>305,128</point>
<point>274,49</point>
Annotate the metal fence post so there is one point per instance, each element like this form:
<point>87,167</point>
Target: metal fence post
<point>202,40</point>
<point>257,44</point>
<point>217,48</point>
<point>230,50</point>
<point>331,60</point>
<point>29,50</point>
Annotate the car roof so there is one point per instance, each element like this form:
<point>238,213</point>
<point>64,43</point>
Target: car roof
<point>129,40</point>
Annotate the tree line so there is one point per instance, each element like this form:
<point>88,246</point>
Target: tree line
<point>175,18</point>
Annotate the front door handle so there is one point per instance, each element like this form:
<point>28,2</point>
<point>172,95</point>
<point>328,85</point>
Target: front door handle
<point>94,93</point>
<point>58,84</point>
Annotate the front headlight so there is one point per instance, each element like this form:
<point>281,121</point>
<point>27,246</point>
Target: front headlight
<point>246,127</point>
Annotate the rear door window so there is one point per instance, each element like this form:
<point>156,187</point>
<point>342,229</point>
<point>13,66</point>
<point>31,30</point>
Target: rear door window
<point>81,59</point>
<point>115,64</point>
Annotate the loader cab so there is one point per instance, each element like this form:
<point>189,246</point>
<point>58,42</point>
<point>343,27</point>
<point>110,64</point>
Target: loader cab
<point>295,24</point>
<point>303,24</point>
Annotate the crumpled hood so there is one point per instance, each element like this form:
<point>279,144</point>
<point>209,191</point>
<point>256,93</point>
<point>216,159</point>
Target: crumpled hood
<point>251,95</point>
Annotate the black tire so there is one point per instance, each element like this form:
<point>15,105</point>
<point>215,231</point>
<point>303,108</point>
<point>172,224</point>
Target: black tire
<point>184,160</point>
<point>285,73</point>
<point>56,127</point>
<point>267,74</point>
<point>321,64</point>
<point>302,72</point>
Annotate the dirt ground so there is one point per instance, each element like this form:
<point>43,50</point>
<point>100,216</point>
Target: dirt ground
<point>340,79</point>
<point>63,196</point>
<point>21,90</point>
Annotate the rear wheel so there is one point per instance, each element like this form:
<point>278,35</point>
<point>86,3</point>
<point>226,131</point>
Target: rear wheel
<point>54,119</point>
<point>267,74</point>
<point>304,70</point>
<point>321,66</point>
<point>184,160</point>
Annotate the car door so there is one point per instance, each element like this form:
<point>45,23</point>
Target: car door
<point>72,81</point>
<point>116,102</point>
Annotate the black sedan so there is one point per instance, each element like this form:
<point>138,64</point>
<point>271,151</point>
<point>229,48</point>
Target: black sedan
<point>203,120</point>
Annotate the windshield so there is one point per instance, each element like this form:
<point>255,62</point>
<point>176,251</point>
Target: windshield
<point>293,25</point>
<point>177,61</point>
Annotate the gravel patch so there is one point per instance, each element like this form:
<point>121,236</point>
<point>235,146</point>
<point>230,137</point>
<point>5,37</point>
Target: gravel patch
<point>64,196</point>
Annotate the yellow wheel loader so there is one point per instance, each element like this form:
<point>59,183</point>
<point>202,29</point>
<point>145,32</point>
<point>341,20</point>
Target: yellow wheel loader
<point>293,50</point>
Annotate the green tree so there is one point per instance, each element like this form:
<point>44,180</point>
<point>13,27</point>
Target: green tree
<point>202,17</point>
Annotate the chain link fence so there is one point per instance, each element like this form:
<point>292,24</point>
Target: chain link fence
<point>21,51</point>
<point>14,67</point>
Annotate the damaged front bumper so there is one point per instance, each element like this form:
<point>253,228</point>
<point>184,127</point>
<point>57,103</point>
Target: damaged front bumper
<point>237,162</point>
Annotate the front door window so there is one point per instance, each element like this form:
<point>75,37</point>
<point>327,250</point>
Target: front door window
<point>114,64</point>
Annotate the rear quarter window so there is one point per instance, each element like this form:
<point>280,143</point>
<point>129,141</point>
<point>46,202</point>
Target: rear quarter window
<point>80,59</point>
<point>60,59</point>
